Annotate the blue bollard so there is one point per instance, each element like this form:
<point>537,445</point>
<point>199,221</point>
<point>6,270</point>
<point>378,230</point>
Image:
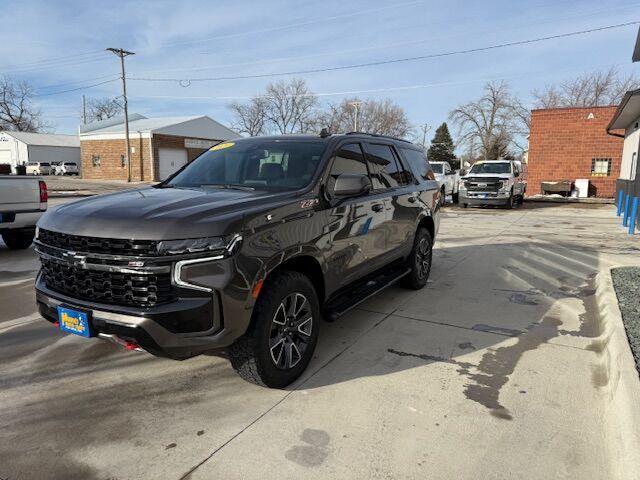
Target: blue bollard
<point>625,219</point>
<point>620,197</point>
<point>634,215</point>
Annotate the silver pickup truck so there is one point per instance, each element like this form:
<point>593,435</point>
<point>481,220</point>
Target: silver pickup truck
<point>23,199</point>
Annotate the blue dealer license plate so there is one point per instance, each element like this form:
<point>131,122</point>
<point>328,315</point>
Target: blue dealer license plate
<point>74,321</point>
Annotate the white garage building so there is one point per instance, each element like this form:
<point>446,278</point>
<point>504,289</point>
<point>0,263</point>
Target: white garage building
<point>159,146</point>
<point>20,148</point>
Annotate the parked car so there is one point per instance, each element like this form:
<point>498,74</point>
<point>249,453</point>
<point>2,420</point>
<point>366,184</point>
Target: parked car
<point>494,182</point>
<point>243,249</point>
<point>64,168</point>
<point>449,180</point>
<point>38,168</point>
<point>22,201</point>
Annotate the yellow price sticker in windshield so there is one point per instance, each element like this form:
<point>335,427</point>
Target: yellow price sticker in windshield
<point>222,146</point>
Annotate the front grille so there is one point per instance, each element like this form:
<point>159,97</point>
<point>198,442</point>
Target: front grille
<point>483,186</point>
<point>107,287</point>
<point>109,246</point>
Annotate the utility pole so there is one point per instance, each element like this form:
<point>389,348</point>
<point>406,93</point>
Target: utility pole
<point>123,53</point>
<point>355,106</point>
<point>84,110</point>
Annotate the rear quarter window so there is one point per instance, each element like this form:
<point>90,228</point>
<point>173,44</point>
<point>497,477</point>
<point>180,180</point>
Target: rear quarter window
<point>417,162</point>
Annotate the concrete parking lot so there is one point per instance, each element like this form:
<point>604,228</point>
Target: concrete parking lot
<point>490,372</point>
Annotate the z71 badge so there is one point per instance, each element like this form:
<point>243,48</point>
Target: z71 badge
<point>308,203</point>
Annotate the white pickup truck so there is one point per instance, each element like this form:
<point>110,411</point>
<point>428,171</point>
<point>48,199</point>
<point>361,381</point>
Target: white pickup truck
<point>494,182</point>
<point>23,199</point>
<point>448,180</point>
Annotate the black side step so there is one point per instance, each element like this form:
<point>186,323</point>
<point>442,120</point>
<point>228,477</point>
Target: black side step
<point>361,291</point>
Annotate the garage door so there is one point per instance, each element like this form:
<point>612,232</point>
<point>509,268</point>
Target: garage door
<point>171,159</point>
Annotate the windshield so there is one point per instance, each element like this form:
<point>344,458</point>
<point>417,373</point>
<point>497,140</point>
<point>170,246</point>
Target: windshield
<point>482,167</point>
<point>437,167</point>
<point>263,164</point>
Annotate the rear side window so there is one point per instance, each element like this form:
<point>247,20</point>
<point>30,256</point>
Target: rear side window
<point>418,162</point>
<point>386,172</point>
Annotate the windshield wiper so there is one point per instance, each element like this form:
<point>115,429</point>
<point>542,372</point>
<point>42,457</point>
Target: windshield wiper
<point>229,186</point>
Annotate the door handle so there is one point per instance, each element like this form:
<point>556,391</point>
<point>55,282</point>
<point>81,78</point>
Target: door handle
<point>377,207</point>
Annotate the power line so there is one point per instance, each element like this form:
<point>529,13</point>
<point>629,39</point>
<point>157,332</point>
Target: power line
<point>62,63</point>
<point>320,19</point>
<point>384,89</point>
<point>48,60</point>
<point>387,62</point>
<point>76,89</point>
<point>370,48</point>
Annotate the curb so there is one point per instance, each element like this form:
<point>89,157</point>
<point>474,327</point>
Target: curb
<point>588,201</point>
<point>616,372</point>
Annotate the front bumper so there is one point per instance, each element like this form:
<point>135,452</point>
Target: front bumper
<point>173,330</point>
<point>483,198</point>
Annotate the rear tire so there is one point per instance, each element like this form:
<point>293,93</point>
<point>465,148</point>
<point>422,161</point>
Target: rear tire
<point>287,313</point>
<point>465,205</point>
<point>419,261</point>
<point>455,197</point>
<point>18,240</point>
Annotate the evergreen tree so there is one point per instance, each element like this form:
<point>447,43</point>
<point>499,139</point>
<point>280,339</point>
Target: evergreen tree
<point>441,149</point>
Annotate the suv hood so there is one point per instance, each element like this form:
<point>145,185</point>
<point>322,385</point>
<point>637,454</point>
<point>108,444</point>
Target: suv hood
<point>157,213</point>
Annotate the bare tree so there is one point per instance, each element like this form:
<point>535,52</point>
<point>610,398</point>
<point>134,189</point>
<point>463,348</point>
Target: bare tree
<point>290,107</point>
<point>493,123</point>
<point>250,118</point>
<point>381,117</point>
<point>102,109</point>
<point>594,89</point>
<point>16,108</point>
<point>285,107</point>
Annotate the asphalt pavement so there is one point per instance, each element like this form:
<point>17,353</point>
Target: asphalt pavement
<point>489,372</point>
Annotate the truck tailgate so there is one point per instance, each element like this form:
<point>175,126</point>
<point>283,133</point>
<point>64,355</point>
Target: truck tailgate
<point>19,193</point>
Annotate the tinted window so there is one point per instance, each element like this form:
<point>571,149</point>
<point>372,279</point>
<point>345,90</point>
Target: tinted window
<point>385,171</point>
<point>418,162</point>
<point>257,163</point>
<point>348,159</point>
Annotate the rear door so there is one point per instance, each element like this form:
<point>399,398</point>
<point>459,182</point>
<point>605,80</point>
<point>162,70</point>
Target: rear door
<point>356,226</point>
<point>393,183</point>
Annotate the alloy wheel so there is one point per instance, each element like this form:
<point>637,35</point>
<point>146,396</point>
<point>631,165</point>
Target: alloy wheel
<point>423,257</point>
<point>291,330</point>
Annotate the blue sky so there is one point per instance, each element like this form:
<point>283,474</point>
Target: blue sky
<point>60,45</point>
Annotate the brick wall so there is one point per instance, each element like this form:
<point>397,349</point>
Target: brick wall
<point>563,142</point>
<point>110,152</point>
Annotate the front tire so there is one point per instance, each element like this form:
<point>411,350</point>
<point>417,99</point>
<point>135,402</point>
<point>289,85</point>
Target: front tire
<point>419,261</point>
<point>280,342</point>
<point>18,240</point>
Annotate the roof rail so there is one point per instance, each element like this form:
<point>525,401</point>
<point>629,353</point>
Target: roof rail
<point>377,135</point>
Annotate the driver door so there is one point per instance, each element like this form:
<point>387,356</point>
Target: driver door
<point>357,225</point>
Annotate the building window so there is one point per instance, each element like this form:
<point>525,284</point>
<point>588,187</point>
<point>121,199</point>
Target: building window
<point>600,167</point>
<point>95,160</point>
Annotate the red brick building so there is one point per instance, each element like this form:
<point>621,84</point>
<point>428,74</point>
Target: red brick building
<point>572,143</point>
<point>159,146</point>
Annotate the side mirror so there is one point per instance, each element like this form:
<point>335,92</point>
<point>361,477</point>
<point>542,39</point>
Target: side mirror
<point>351,185</point>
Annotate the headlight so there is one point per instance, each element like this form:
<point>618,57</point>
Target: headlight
<point>192,245</point>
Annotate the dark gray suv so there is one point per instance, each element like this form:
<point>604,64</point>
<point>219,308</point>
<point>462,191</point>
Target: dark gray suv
<point>243,250</point>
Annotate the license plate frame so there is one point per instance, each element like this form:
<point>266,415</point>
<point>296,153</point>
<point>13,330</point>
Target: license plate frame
<point>75,320</point>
